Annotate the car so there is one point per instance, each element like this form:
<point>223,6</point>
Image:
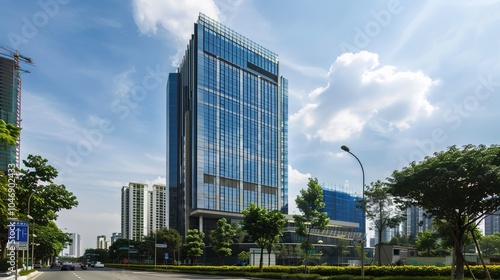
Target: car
<point>67,266</point>
<point>98,264</point>
<point>37,265</point>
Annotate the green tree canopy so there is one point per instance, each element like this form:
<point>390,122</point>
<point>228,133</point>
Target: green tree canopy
<point>172,238</point>
<point>49,240</point>
<point>9,134</point>
<point>426,242</point>
<point>194,244</point>
<point>311,204</point>
<point>36,180</point>
<point>380,209</point>
<point>490,245</point>
<point>459,185</point>
<point>263,226</point>
<point>222,237</point>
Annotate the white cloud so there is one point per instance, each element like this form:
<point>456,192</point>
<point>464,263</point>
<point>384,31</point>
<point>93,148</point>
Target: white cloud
<point>176,17</point>
<point>296,182</point>
<point>360,92</point>
<point>157,181</point>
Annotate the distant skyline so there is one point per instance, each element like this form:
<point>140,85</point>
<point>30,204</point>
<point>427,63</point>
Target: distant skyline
<point>395,81</point>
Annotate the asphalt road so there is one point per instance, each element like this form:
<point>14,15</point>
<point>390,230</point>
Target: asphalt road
<point>117,274</point>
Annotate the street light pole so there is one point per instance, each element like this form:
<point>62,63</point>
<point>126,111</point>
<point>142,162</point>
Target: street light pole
<point>30,218</point>
<point>346,149</point>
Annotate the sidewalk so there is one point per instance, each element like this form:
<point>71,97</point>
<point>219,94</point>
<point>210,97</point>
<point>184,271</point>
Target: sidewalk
<point>12,277</point>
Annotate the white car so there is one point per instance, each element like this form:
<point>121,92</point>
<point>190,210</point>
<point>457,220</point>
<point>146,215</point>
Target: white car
<point>98,264</point>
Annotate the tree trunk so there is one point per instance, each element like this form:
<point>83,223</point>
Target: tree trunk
<point>486,271</point>
<point>261,262</point>
<point>379,247</point>
<point>459,269</point>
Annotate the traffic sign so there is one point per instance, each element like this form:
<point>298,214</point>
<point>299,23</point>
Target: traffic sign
<point>161,245</point>
<point>18,234</point>
<point>21,231</point>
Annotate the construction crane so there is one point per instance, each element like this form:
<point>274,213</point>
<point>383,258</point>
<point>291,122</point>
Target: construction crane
<point>17,58</point>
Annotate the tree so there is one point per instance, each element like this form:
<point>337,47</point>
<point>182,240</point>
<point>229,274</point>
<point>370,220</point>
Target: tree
<point>380,209</point>
<point>310,203</point>
<point>263,226</point>
<point>172,238</point>
<point>48,198</point>
<point>394,241</point>
<point>119,250</point>
<point>342,249</point>
<point>244,256</point>
<point>459,185</point>
<point>194,244</point>
<point>9,134</point>
<point>287,252</point>
<point>36,180</point>
<point>490,245</point>
<point>222,237</point>
<point>49,240</point>
<point>100,255</point>
<point>426,241</point>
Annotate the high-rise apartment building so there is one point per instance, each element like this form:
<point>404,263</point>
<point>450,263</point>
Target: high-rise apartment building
<point>10,107</point>
<point>102,243</point>
<point>143,210</point>
<point>227,121</point>
<point>134,210</point>
<point>158,212</point>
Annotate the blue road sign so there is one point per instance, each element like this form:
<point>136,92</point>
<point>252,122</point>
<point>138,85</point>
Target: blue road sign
<point>21,231</point>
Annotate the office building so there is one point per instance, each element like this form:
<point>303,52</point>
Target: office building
<point>75,248</point>
<point>134,211</point>
<point>227,121</point>
<point>416,220</point>
<point>115,236</point>
<point>342,206</point>
<point>492,223</point>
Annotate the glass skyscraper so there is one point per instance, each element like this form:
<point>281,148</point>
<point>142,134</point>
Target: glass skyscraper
<point>227,121</point>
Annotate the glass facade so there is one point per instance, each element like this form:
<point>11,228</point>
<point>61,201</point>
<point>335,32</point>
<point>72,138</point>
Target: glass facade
<point>232,117</point>
<point>9,107</point>
<point>342,206</point>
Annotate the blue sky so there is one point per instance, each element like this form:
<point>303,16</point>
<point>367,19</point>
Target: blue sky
<point>394,80</point>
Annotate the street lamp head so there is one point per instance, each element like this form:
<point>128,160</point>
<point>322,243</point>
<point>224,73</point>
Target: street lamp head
<point>30,217</point>
<point>345,148</point>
